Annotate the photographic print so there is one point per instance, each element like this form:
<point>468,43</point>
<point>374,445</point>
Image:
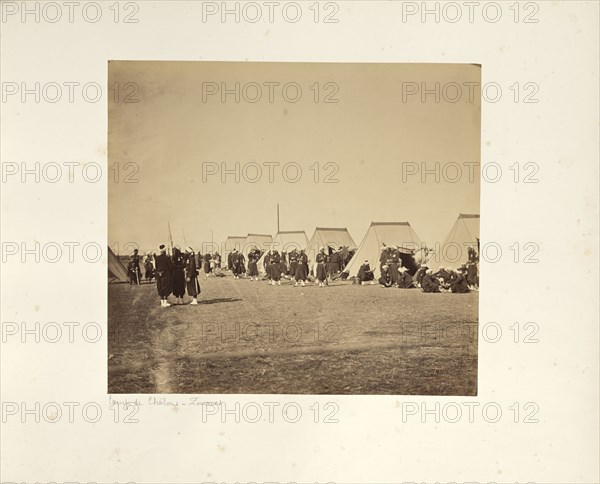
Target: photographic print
<point>293,228</point>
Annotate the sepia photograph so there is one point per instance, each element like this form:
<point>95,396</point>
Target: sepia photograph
<point>342,242</point>
<point>293,228</point>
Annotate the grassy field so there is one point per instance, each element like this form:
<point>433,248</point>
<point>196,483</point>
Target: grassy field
<point>250,337</point>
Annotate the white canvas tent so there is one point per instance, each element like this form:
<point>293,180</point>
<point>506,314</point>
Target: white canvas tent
<point>454,250</point>
<point>399,234</point>
<point>232,242</point>
<point>261,241</point>
<point>328,237</point>
<point>287,240</point>
<point>116,270</point>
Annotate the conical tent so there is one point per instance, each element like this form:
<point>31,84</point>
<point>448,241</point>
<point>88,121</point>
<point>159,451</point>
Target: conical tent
<point>287,240</point>
<point>328,237</point>
<point>261,241</point>
<point>116,269</point>
<point>399,234</point>
<point>454,250</point>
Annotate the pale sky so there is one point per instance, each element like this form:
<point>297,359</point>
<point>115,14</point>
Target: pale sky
<point>173,131</point>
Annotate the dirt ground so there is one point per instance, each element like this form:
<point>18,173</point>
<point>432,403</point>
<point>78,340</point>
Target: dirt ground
<point>249,337</point>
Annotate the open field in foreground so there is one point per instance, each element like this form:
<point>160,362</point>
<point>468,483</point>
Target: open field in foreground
<point>249,337</point>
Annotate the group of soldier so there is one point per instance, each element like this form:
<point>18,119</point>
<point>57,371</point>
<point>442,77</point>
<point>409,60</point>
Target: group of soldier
<point>177,273</point>
<point>292,264</point>
<point>395,274</point>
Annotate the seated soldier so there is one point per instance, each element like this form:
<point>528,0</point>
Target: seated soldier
<point>458,283</point>
<point>429,282</point>
<point>365,273</point>
<point>385,280</point>
<point>405,280</point>
<point>420,274</point>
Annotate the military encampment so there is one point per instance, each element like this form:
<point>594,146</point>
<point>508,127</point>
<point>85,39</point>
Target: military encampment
<point>304,244</point>
<point>334,302</point>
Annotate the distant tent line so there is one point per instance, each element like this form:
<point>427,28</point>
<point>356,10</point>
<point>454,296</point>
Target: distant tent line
<point>453,251</point>
<point>464,233</point>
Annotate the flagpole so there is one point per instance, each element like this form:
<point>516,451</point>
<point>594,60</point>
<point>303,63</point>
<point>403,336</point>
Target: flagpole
<point>278,218</point>
<point>170,236</point>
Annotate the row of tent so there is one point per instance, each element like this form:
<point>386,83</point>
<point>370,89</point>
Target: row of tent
<point>464,233</point>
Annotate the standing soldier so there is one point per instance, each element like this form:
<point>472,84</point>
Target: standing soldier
<point>283,265</point>
<point>335,263</point>
<point>383,256</point>
<point>178,275</point>
<point>293,257</point>
<point>472,275</point>
<point>191,276</point>
<point>135,267</point>
<point>206,265</point>
<point>253,258</point>
<point>217,259</point>
<point>393,263</point>
<point>148,268</point>
<point>267,264</point>
<point>237,263</point>
<point>275,267</point>
<point>321,274</point>
<point>301,269</point>
<point>164,274</point>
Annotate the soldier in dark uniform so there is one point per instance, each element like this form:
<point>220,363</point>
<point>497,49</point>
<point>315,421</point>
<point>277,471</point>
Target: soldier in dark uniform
<point>293,258</point>
<point>405,280</point>
<point>472,275</point>
<point>301,269</point>
<point>134,268</point>
<point>275,267</point>
<point>393,262</point>
<point>335,263</point>
<point>164,275</point>
<point>365,274</point>
<point>472,255</point>
<point>385,280</point>
<point>321,275</point>
<point>178,275</point>
<point>253,258</point>
<point>267,265</point>
<point>148,268</point>
<point>458,283</point>
<point>418,277</point>
<point>230,261</point>
<point>206,264</point>
<point>191,276</point>
<point>237,263</point>
<point>283,266</point>
<point>429,282</point>
<point>383,256</point>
